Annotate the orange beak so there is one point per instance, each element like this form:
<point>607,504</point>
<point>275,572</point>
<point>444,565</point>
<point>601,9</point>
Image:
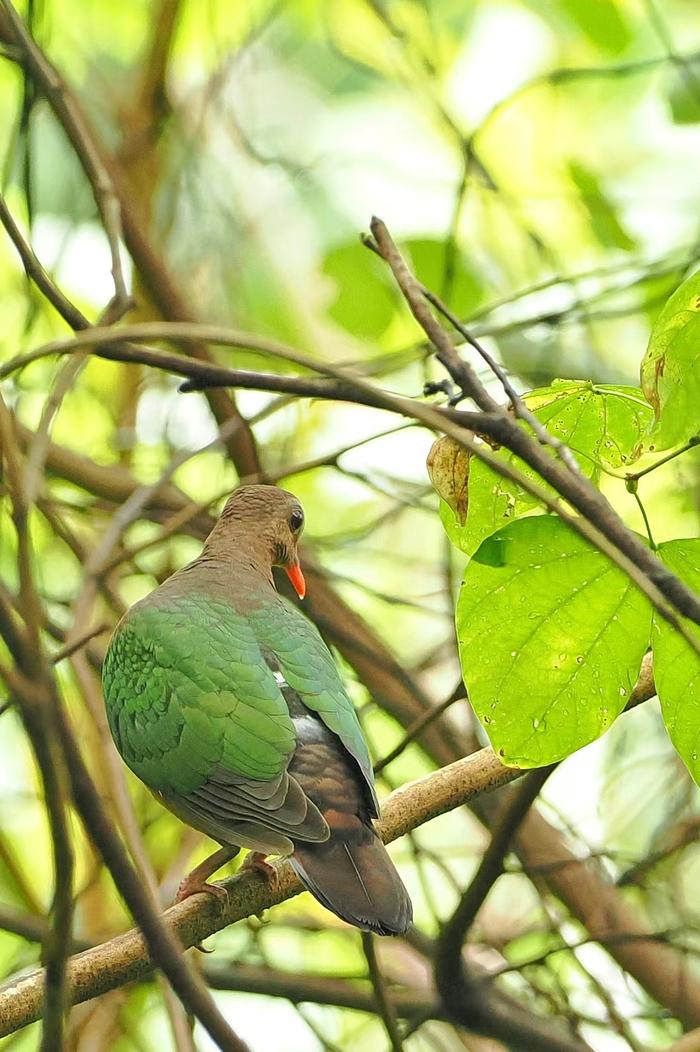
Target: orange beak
<point>297,578</point>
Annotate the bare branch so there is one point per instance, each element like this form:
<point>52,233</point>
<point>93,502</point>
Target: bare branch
<point>121,345</point>
<point>463,995</point>
<point>381,995</point>
<point>598,522</point>
<point>38,707</point>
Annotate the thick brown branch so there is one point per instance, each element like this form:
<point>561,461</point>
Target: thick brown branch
<point>299,989</point>
<point>125,958</point>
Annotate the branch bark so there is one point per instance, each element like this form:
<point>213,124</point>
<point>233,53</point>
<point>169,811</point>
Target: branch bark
<point>126,958</point>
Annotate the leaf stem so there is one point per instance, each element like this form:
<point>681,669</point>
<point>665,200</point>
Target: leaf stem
<point>631,485</point>
<point>690,444</point>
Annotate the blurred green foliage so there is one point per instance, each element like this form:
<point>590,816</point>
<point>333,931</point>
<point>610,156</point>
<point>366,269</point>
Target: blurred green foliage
<point>538,162</point>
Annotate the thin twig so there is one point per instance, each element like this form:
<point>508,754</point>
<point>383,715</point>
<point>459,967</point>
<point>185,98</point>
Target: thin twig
<point>414,730</point>
<point>97,174</point>
<point>38,714</point>
<point>384,1006</point>
<point>520,408</point>
<point>576,489</point>
<point>35,272</point>
<point>598,522</point>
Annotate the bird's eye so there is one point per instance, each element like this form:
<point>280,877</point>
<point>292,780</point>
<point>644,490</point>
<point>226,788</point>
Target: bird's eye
<point>296,521</point>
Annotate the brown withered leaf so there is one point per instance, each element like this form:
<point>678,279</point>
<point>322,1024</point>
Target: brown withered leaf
<point>448,468</point>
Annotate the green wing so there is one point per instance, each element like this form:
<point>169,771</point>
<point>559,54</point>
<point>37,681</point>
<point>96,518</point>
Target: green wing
<point>308,667</point>
<point>188,692</point>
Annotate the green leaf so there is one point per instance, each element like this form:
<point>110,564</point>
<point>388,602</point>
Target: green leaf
<point>364,303</point>
<point>601,423</point>
<point>551,638</point>
<point>676,665</point>
<point>428,260</point>
<point>670,369</point>
<point>684,95</point>
<point>602,22</point>
<point>458,533</point>
<point>602,213</point>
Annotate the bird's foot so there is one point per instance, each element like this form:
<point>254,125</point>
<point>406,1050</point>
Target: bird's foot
<point>196,881</point>
<point>255,863</point>
<point>190,887</point>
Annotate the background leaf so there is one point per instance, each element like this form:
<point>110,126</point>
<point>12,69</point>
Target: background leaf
<point>429,258</point>
<point>684,95</point>
<point>351,269</point>
<point>676,665</point>
<point>600,20</point>
<point>670,373</point>
<point>551,637</point>
<point>602,213</point>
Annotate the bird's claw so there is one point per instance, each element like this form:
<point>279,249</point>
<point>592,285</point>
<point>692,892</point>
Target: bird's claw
<point>255,863</point>
<point>194,887</point>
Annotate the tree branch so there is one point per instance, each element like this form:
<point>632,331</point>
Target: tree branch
<point>464,997</point>
<point>126,957</point>
<point>591,526</point>
<point>383,1004</point>
<point>121,345</point>
<point>32,685</point>
<point>576,489</point>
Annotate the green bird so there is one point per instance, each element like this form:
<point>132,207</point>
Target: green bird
<point>225,701</point>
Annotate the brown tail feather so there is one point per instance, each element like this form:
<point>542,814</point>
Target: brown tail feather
<point>356,881</point>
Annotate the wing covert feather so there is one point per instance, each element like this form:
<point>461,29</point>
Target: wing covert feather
<point>308,667</point>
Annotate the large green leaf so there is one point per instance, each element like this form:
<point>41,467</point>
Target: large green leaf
<point>676,665</point>
<point>601,423</point>
<point>551,638</point>
<point>671,368</point>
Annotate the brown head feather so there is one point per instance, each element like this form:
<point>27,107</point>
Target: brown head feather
<point>262,522</point>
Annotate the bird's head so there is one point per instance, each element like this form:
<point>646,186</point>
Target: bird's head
<point>270,520</point>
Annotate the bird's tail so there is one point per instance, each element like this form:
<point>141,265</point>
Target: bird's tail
<point>357,881</point>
